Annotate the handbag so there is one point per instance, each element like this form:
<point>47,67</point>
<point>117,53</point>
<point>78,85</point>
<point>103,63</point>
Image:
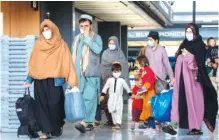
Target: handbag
<point>161,85</point>
<point>74,105</point>
<point>161,106</point>
<point>25,109</point>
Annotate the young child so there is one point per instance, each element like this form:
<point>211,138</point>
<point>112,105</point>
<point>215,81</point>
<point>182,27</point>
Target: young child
<point>116,84</point>
<point>137,101</point>
<point>212,54</point>
<point>148,78</point>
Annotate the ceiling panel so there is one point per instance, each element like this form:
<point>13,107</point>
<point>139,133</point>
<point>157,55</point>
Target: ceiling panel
<point>124,12</point>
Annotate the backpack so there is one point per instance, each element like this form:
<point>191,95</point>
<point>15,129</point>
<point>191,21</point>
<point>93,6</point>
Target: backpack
<point>26,115</point>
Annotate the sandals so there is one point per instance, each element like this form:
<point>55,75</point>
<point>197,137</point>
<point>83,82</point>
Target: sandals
<point>96,124</point>
<point>195,132</point>
<point>117,127</point>
<point>45,136</point>
<point>80,128</point>
<point>89,127</point>
<point>169,129</point>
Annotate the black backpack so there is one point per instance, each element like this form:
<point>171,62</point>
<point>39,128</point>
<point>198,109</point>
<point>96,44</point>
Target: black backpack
<point>25,111</point>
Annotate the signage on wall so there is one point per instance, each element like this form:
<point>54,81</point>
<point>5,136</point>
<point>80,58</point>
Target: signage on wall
<point>144,34</point>
<point>170,34</point>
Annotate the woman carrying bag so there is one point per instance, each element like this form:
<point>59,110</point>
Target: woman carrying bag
<point>50,66</point>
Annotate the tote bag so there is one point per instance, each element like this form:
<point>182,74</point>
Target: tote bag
<point>74,105</point>
<point>161,106</point>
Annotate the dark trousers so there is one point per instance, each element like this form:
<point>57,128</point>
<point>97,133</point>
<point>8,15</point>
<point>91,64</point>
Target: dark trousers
<point>105,108</point>
<point>49,105</point>
<point>98,113</point>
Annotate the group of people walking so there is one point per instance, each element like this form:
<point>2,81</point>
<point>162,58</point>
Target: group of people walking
<point>102,79</point>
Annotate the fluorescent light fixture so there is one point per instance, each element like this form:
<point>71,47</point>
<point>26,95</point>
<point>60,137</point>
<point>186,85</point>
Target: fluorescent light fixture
<point>207,26</point>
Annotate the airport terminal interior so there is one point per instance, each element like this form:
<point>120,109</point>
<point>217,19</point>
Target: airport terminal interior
<point>130,21</point>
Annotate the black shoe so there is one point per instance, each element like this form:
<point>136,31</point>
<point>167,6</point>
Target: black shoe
<point>89,127</point>
<point>80,128</point>
<point>169,129</point>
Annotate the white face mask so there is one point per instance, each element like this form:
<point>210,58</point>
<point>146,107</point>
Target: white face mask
<point>150,43</point>
<point>47,34</point>
<point>112,47</point>
<point>82,31</point>
<point>116,74</point>
<point>189,36</point>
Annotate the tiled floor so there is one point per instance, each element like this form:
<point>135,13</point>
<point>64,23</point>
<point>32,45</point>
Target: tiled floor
<point>106,133</point>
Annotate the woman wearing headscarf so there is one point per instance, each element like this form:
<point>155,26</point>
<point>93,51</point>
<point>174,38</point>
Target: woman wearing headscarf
<point>50,65</point>
<point>112,54</point>
<point>194,97</point>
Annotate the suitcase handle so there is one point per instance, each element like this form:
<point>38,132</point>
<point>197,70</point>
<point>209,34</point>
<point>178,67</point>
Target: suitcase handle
<point>26,91</point>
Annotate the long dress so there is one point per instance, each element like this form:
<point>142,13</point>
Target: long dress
<point>89,86</point>
<point>188,100</point>
<point>49,105</point>
<point>149,82</point>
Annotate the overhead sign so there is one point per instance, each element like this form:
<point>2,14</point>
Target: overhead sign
<point>170,34</point>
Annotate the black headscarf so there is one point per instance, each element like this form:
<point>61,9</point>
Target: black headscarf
<point>197,48</point>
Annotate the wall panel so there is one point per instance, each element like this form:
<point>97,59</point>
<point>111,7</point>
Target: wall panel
<point>19,19</point>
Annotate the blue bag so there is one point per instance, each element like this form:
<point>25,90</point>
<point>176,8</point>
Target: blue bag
<point>74,106</point>
<point>161,106</point>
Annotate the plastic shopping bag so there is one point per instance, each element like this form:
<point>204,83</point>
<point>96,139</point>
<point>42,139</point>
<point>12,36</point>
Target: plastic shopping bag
<point>161,106</point>
<point>74,105</point>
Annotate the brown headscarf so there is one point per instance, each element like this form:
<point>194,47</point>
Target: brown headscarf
<point>52,58</point>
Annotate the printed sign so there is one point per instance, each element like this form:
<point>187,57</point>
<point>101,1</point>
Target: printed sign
<point>170,34</point>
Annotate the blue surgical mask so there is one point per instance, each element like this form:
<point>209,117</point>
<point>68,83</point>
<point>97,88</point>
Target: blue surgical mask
<point>150,43</point>
<point>112,47</point>
<point>189,36</point>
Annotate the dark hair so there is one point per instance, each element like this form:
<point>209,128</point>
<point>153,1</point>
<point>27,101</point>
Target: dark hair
<point>116,67</point>
<point>84,19</point>
<point>142,60</point>
<point>210,38</point>
<point>156,38</point>
<point>154,35</point>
